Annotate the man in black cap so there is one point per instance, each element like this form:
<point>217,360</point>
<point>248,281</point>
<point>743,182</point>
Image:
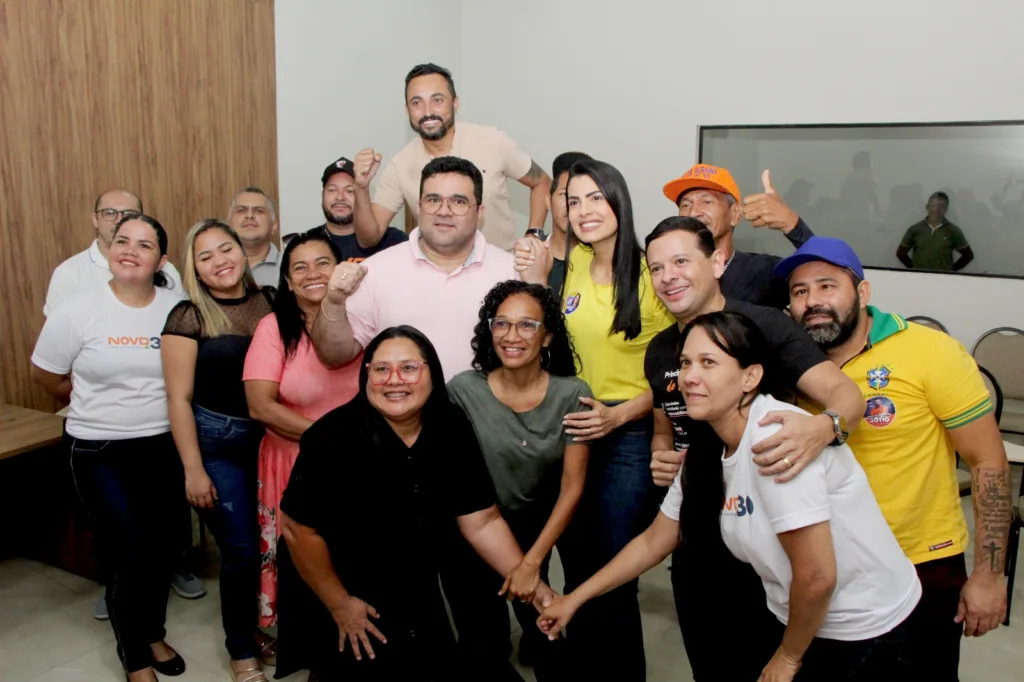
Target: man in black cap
<point>339,200</point>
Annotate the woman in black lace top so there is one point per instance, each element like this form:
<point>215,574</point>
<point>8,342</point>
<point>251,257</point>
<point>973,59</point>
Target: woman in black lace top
<point>203,349</point>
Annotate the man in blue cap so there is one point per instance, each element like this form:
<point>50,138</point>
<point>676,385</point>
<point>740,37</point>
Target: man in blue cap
<point>926,401</point>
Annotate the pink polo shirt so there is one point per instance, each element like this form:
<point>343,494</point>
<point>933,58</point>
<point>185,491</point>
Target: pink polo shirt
<point>402,286</point>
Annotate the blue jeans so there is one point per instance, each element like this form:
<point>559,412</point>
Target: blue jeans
<point>619,502</point>
<point>132,490</point>
<point>230,448</point>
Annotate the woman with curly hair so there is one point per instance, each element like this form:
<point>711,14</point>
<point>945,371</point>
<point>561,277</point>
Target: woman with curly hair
<point>522,386</point>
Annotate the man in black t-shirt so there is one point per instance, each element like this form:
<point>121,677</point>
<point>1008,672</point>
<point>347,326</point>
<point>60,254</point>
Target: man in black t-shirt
<point>710,195</point>
<point>685,267</point>
<point>339,203</point>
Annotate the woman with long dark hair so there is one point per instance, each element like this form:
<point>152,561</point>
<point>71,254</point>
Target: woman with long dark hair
<point>366,528</point>
<point>612,313</point>
<point>96,350</point>
<point>203,348</point>
<point>833,574</point>
<point>288,388</point>
<point>522,386</point>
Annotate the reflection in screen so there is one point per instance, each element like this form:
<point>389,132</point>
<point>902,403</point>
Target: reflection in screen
<point>927,195</point>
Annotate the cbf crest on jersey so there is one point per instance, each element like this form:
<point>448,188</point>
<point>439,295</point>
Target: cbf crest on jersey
<point>878,377</point>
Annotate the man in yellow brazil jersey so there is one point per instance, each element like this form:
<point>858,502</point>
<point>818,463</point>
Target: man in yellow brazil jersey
<point>926,401</point>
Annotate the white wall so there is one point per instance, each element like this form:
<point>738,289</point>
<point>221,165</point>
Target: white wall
<point>631,82</point>
<point>341,69</point>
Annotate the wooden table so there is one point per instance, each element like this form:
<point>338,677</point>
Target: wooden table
<point>23,430</point>
<point>36,480</point>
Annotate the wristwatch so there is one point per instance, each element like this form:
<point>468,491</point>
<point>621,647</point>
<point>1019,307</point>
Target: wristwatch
<point>838,428</point>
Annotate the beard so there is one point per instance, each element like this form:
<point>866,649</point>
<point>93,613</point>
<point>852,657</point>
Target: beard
<point>334,220</point>
<point>836,332</point>
<point>441,131</point>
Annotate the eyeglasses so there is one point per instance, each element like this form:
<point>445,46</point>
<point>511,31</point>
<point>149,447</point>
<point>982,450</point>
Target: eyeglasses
<point>380,373</point>
<point>526,329</point>
<point>112,215</point>
<point>458,205</point>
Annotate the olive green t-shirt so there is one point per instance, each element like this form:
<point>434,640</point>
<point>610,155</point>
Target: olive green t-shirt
<point>933,249</point>
<point>523,450</point>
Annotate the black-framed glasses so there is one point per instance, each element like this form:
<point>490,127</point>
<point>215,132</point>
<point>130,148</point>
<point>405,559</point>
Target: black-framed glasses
<point>380,373</point>
<point>112,215</point>
<point>526,329</point>
<point>458,205</point>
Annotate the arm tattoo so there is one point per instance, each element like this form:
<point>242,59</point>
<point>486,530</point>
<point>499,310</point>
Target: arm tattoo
<point>992,517</point>
<point>536,173</point>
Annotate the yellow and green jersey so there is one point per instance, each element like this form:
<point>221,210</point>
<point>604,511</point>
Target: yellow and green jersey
<point>918,384</point>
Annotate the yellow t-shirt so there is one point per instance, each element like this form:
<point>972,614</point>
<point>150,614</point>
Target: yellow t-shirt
<point>612,366</point>
<point>918,383</point>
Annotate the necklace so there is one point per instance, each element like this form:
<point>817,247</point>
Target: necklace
<point>728,262</point>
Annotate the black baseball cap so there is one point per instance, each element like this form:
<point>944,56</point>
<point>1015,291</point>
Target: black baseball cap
<point>342,165</point>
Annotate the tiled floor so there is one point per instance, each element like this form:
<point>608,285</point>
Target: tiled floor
<point>47,632</point>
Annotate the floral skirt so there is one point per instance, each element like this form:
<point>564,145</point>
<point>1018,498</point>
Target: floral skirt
<point>277,457</point>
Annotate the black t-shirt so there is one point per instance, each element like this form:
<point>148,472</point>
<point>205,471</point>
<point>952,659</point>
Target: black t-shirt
<point>794,350</point>
<point>220,359</point>
<point>353,253</point>
<point>749,275</point>
<point>556,276</point>
<point>383,508</point>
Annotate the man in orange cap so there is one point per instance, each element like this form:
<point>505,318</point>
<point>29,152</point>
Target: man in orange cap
<point>709,194</point>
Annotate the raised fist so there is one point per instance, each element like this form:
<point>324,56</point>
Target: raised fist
<point>366,164</point>
<point>345,281</point>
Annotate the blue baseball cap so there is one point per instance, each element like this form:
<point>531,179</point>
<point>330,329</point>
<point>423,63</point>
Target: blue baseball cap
<point>828,249</point>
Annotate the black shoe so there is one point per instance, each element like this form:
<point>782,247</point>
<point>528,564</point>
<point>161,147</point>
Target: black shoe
<point>172,667</point>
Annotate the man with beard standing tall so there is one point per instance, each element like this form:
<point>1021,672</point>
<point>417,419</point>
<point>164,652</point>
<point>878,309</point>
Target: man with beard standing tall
<point>926,402</point>
<point>431,103</point>
<point>340,203</point>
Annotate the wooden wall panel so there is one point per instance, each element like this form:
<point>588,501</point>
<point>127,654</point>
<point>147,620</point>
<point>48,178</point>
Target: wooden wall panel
<point>173,99</point>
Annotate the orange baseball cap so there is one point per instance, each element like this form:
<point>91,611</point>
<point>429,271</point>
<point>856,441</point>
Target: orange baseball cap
<point>703,176</point>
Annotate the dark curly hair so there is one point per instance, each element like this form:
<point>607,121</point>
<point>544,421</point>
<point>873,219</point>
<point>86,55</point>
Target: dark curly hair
<point>561,357</point>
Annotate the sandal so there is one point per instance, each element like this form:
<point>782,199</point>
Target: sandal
<point>253,674</point>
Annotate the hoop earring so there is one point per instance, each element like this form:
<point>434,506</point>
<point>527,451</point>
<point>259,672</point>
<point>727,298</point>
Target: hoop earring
<point>545,360</point>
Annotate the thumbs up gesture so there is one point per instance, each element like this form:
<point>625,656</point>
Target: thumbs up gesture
<point>767,208</point>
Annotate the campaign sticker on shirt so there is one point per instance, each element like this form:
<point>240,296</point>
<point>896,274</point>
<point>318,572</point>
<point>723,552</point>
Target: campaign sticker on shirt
<point>572,302</point>
<point>878,377</point>
<point>880,411</point>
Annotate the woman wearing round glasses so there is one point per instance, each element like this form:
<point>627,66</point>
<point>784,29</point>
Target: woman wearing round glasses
<point>287,388</point>
<point>523,384</point>
<point>378,488</point>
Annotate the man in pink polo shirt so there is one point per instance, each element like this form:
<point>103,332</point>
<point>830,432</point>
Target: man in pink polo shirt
<point>435,283</point>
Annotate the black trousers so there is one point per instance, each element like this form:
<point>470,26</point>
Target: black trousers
<point>133,489</point>
<point>481,616</point>
<point>934,639</point>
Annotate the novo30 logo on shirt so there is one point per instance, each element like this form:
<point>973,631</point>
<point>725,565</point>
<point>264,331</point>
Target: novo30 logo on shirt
<point>738,505</point>
<point>134,342</point>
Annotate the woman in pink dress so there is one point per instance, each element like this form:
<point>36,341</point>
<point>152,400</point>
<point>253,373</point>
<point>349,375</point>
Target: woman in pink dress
<point>288,388</point>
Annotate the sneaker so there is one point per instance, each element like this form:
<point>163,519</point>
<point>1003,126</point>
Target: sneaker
<point>99,609</point>
<point>187,585</point>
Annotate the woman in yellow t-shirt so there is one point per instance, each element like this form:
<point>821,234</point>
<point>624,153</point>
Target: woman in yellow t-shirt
<point>612,313</point>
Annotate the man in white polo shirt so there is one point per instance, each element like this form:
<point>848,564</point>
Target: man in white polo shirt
<point>431,103</point>
<point>90,266</point>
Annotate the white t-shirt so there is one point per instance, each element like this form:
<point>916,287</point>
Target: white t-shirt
<point>113,354</point>
<point>85,270</point>
<point>877,586</point>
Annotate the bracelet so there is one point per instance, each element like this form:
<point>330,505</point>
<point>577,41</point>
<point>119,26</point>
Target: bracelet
<point>328,318</point>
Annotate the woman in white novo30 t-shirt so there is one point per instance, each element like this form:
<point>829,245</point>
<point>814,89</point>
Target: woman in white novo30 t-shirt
<point>832,570</point>
<point>100,350</point>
